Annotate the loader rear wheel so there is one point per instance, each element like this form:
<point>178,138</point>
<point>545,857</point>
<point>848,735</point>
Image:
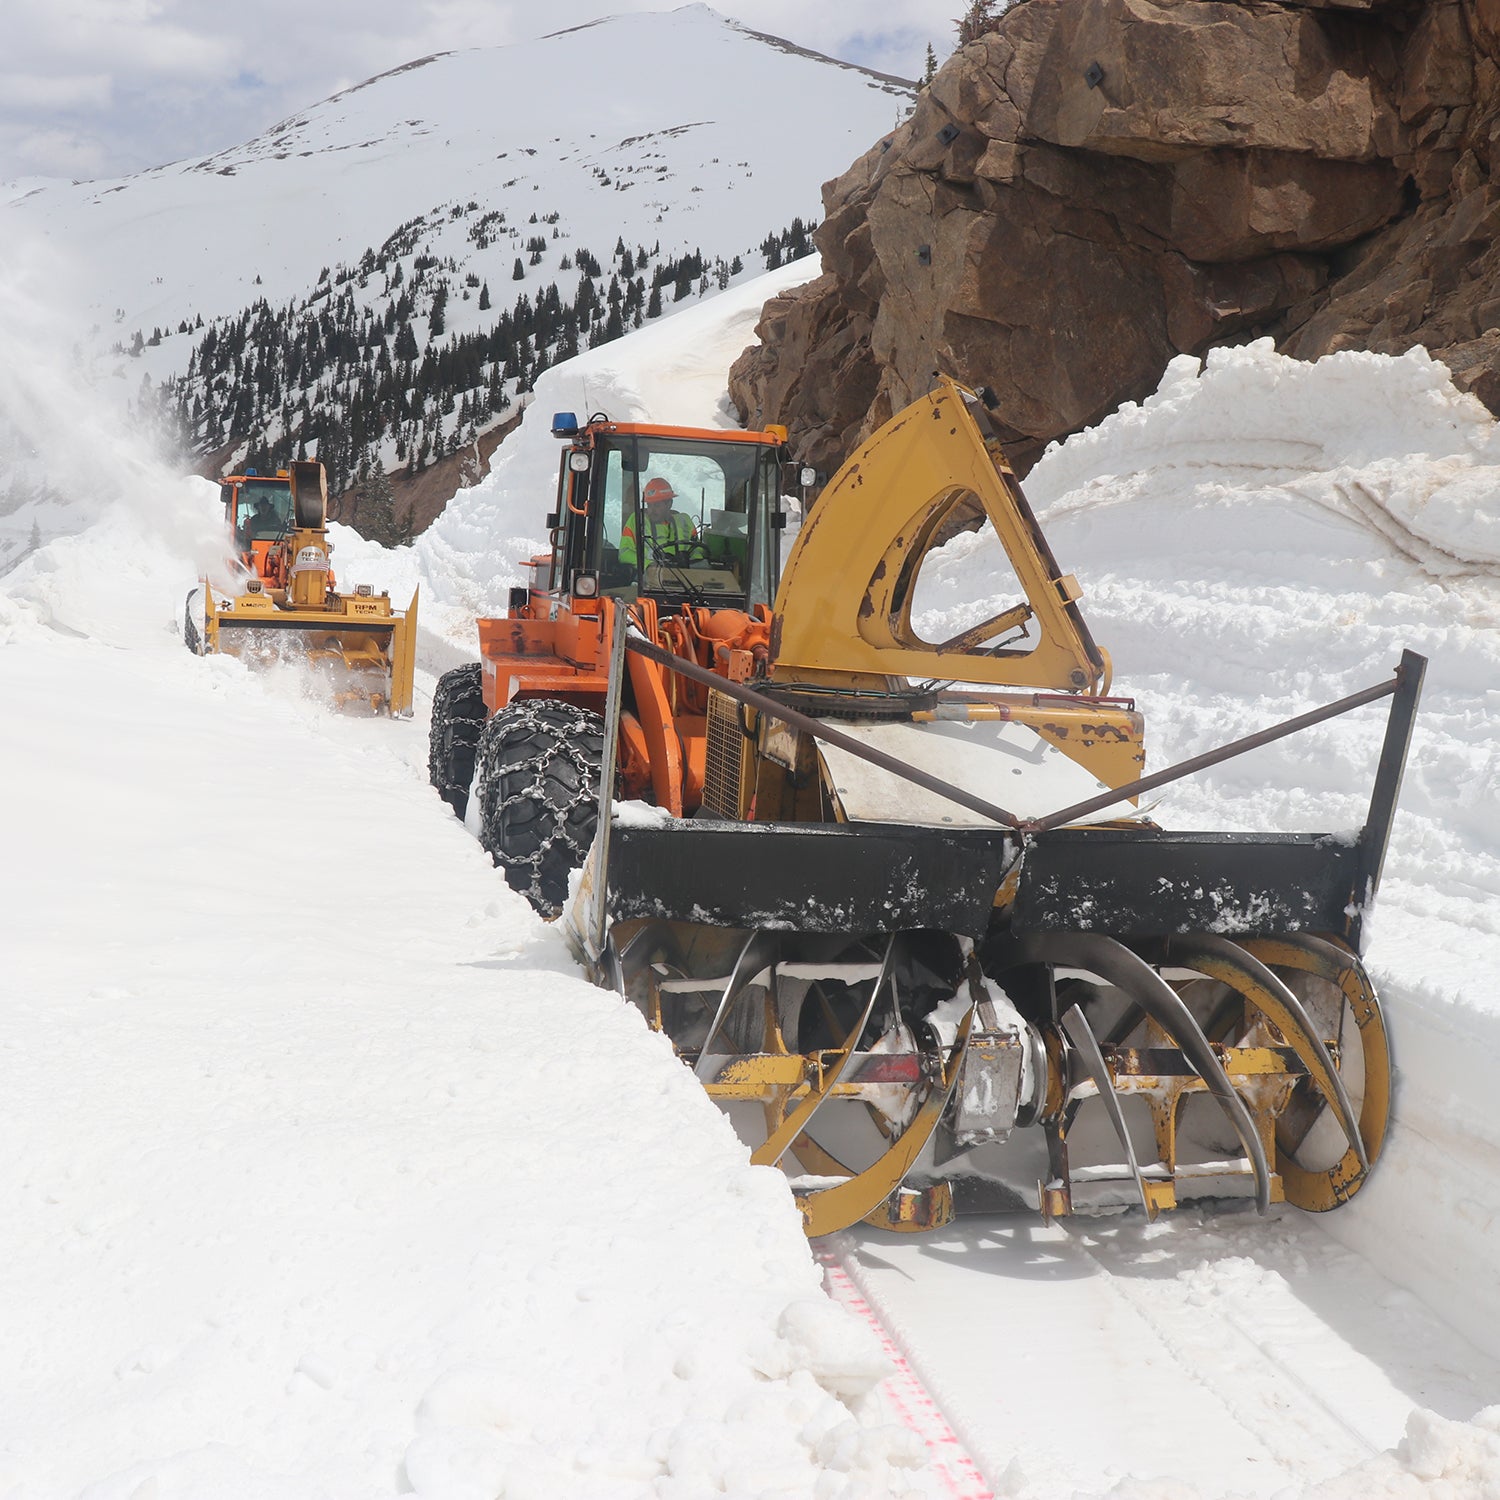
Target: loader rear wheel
<point>537,786</point>
<point>452,742</point>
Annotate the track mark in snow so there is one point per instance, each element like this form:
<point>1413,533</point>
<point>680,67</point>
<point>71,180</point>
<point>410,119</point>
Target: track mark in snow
<point>906,1394</point>
<point>1214,1351</point>
<point>1272,1371</point>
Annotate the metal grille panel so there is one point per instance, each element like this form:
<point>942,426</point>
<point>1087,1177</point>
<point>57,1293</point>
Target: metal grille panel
<point>724,757</point>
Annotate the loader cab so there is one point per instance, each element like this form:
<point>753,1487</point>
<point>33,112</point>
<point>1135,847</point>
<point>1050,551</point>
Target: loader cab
<point>716,544</point>
<point>259,510</point>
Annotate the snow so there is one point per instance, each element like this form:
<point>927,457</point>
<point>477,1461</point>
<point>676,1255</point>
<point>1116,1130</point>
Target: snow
<point>327,1175</point>
<point>298,1197</point>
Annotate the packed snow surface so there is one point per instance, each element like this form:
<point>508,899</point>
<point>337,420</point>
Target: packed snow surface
<point>327,1176</point>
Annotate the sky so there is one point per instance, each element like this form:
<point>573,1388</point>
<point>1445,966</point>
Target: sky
<point>103,88</point>
<point>392,1202</point>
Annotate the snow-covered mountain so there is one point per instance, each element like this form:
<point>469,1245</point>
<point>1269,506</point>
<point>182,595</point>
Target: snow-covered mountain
<point>377,278</point>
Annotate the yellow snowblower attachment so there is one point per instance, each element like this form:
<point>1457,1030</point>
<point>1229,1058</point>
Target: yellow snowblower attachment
<point>287,606</point>
<point>926,949</point>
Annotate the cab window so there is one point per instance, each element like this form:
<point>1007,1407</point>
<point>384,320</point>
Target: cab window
<point>264,511</point>
<point>713,545</point>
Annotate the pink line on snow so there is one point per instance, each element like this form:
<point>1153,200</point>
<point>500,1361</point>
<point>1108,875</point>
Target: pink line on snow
<point>907,1395</point>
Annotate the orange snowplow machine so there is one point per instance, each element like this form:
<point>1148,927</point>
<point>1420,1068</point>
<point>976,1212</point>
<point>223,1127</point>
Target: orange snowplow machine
<point>286,605</point>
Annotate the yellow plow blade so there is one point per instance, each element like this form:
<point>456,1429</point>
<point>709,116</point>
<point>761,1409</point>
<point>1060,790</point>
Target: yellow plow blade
<point>366,649</point>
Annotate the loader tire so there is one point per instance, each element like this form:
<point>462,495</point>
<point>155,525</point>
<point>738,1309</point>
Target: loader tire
<point>453,740</point>
<point>538,791</point>
<point>191,638</point>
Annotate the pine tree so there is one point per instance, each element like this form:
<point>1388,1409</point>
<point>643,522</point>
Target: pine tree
<point>376,510</point>
<point>929,68</point>
<point>981,17</point>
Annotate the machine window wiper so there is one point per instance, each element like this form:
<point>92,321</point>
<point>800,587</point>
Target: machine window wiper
<point>690,590</point>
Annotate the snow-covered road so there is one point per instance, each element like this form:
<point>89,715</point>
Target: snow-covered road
<point>1230,1355</point>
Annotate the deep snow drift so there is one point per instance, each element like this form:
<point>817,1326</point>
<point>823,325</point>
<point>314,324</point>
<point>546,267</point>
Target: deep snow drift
<point>328,1177</point>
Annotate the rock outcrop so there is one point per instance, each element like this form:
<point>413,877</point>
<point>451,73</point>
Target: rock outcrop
<point>1099,185</point>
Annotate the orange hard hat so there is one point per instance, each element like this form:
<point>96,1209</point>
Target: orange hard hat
<point>658,490</point>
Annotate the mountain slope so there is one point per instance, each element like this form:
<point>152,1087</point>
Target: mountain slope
<point>714,134</point>
<point>362,276</point>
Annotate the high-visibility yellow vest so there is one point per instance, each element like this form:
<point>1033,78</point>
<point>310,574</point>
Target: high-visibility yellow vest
<point>676,528</point>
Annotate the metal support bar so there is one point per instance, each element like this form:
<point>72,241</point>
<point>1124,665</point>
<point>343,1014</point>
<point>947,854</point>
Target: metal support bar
<point>1236,747</point>
<point>1387,786</point>
<point>819,730</point>
<point>1404,686</point>
<point>599,915</point>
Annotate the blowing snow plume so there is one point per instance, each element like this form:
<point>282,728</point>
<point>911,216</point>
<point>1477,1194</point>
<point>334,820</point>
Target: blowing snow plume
<point>97,526</point>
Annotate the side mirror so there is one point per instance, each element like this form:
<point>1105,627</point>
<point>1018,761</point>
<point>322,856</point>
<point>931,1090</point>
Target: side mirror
<point>778,520</point>
<point>554,520</point>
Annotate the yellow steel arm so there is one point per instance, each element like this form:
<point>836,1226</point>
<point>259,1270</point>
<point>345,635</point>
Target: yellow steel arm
<point>843,612</point>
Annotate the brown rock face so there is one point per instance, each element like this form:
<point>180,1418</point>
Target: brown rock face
<point>1099,185</point>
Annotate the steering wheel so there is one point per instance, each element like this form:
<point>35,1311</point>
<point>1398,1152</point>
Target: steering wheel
<point>683,554</point>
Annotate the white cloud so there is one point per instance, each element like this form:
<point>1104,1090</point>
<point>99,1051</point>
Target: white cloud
<point>63,91</point>
<point>50,153</point>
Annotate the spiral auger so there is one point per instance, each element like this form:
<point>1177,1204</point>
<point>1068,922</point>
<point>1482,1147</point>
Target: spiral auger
<point>816,1033</point>
<point>1262,1065</point>
<point>880,1070</point>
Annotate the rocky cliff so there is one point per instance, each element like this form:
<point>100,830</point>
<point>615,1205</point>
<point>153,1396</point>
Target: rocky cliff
<point>1099,185</point>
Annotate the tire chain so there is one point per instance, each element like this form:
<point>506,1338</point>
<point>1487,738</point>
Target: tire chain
<point>529,754</point>
<point>452,743</point>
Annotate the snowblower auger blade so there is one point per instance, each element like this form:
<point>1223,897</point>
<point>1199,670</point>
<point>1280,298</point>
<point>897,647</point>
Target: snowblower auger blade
<point>1318,1168</point>
<point>756,957</point>
<point>808,1028</point>
<point>1263,988</point>
<point>802,1109</point>
<point>827,1209</point>
<point>1079,1032</point>
<point>1116,964</point>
